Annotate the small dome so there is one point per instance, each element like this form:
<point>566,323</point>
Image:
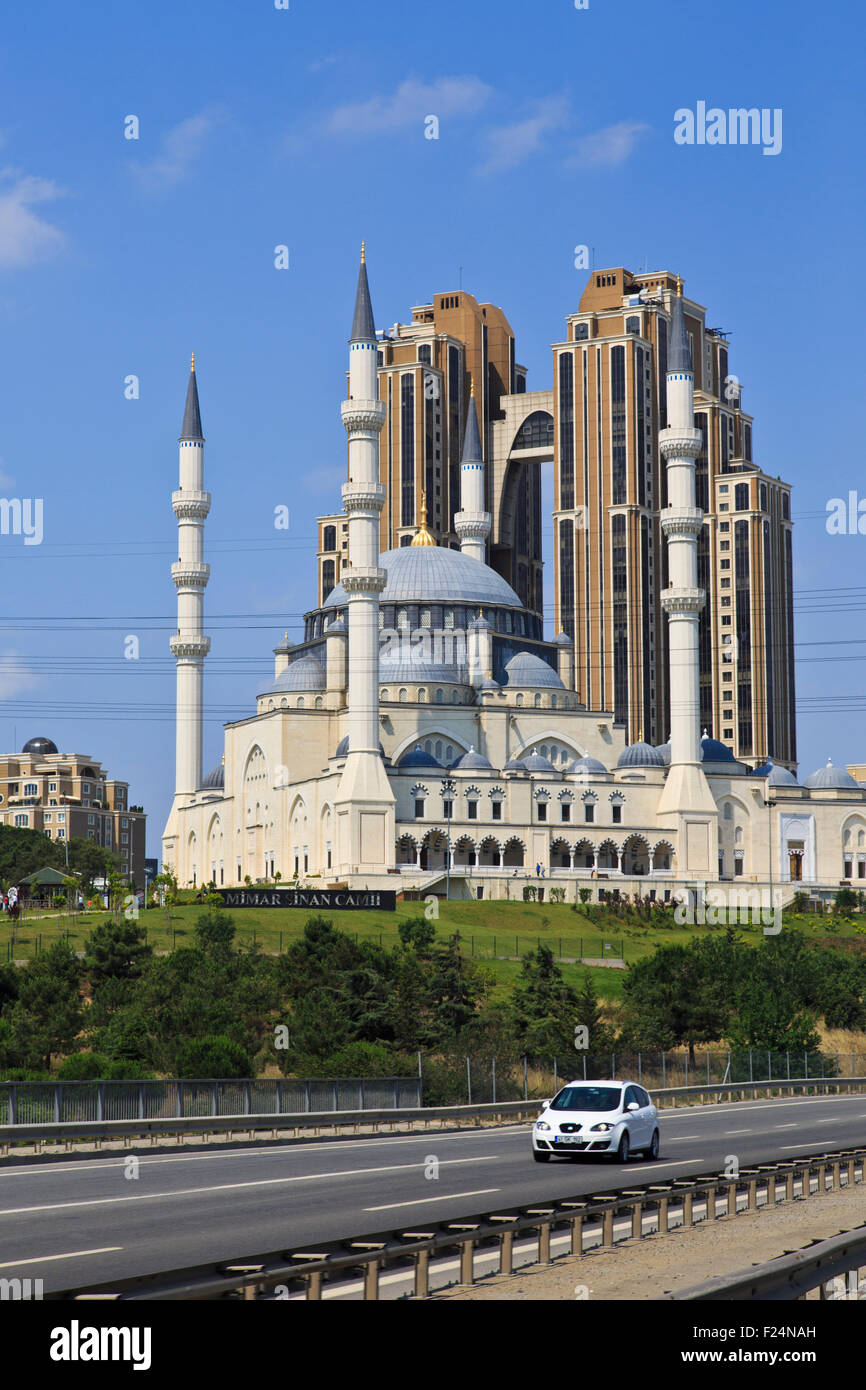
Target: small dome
<point>562,639</point>
<point>514,765</point>
<point>527,669</point>
<point>830,777</point>
<point>536,763</point>
<point>472,760</point>
<point>216,778</point>
<point>664,752</point>
<point>588,767</point>
<point>421,574</point>
<point>304,674</point>
<point>417,758</point>
<point>399,671</point>
<point>781,777</point>
<point>337,628</point>
<point>480,624</point>
<point>343,747</point>
<point>640,755</point>
<point>39,746</point>
<point>712,751</point>
<point>490,684</point>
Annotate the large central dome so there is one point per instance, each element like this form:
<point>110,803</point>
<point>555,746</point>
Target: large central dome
<point>432,574</point>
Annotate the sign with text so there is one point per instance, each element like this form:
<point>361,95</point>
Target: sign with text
<point>332,899</point>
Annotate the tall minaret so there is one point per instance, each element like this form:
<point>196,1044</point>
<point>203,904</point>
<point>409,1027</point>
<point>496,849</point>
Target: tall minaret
<point>364,804</point>
<point>191,505</point>
<point>472,522</point>
<point>686,796</point>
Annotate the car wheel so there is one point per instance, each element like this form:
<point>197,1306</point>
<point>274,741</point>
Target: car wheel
<point>540,1157</point>
<point>653,1150</point>
<point>622,1153</point>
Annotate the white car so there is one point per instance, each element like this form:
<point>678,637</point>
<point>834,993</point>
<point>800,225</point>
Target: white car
<point>615,1118</point>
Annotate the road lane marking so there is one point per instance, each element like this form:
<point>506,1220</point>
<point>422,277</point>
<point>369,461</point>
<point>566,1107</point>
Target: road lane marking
<point>681,1138</point>
<point>792,1125</point>
<point>70,1255</point>
<point>806,1144</point>
<point>450,1197</point>
<point>286,1150</point>
<point>235,1186</point>
<point>738,1131</point>
<point>654,1167</point>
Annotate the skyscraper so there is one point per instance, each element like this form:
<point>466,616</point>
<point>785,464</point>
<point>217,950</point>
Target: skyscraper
<point>610,486</point>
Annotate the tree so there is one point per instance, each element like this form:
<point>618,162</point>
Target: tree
<point>682,995</point>
<point>116,951</point>
<point>544,1009</point>
<point>90,861</point>
<point>215,1057</point>
<point>48,1014</point>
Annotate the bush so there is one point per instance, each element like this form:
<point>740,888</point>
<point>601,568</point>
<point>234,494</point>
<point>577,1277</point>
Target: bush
<point>83,1066</point>
<point>529,893</point>
<point>217,1058</point>
<point>557,895</point>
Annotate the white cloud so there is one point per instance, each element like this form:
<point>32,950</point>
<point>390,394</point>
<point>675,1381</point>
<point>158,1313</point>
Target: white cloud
<point>410,103</point>
<point>510,145</point>
<point>25,237</point>
<point>608,147</point>
<point>181,147</point>
<point>14,676</point>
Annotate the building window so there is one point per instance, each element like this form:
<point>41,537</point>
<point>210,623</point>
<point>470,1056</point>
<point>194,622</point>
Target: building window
<point>566,810</point>
<point>741,497</point>
<point>22,820</point>
<point>61,815</point>
<point>542,810</point>
<point>472,810</point>
<point>497,810</point>
<point>616,814</point>
<point>419,808</point>
<point>448,809</point>
<point>407,450</point>
<point>589,812</point>
<point>31,789</point>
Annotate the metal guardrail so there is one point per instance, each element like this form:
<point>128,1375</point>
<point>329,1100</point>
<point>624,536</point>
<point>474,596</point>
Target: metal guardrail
<point>792,1276</point>
<point>63,1101</point>
<point>279,1122</point>
<point>308,1272</point>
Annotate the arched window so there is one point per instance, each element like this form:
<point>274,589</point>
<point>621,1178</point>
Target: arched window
<point>455,698</point>
<point>422,696</point>
<point>729,811</point>
<point>329,538</point>
<point>632,323</point>
<point>536,432</point>
<point>403,696</point>
<point>327,578</point>
<point>440,696</point>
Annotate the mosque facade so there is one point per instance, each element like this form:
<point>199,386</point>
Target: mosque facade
<point>425,730</point>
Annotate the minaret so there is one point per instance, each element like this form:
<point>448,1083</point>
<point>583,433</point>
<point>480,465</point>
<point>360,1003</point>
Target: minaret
<point>191,505</point>
<point>686,796</point>
<point>472,522</point>
<point>364,803</point>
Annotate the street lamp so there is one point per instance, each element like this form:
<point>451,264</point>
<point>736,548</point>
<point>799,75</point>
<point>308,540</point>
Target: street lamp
<point>448,790</point>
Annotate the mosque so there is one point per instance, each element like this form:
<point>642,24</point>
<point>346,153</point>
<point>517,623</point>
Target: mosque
<point>425,727</point>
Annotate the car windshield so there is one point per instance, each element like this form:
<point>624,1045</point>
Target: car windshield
<point>587,1098</point>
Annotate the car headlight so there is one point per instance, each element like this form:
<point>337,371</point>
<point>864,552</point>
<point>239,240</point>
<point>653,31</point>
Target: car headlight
<point>541,1124</point>
<point>602,1128</point>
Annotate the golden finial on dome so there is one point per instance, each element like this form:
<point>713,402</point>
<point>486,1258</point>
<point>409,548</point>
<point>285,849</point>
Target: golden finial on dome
<point>192,363</point>
<point>472,388</point>
<point>363,252</point>
<point>223,760</point>
<point>679,287</point>
<point>422,536</point>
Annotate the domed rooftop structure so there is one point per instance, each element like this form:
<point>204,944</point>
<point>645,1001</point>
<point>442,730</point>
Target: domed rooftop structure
<point>640,755</point>
<point>779,776</point>
<point>304,674</point>
<point>712,751</point>
<point>39,746</point>
<point>343,747</point>
<point>586,767</point>
<point>400,669</point>
<point>515,765</point>
<point>215,780</point>
<point>423,574</point>
<point>832,778</point>
<point>472,760</point>
<point>417,757</point>
<point>535,762</point>
<point>528,669</point>
<point>664,751</point>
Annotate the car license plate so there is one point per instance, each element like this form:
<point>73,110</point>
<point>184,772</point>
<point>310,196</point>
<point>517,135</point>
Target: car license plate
<point>570,1139</point>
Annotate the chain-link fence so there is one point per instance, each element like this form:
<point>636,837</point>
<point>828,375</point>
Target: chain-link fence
<point>46,1102</point>
<point>466,1080</point>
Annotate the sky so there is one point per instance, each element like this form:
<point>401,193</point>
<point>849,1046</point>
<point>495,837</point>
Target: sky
<point>307,127</point>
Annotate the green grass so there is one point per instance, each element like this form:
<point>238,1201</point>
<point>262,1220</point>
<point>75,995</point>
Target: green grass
<point>496,933</point>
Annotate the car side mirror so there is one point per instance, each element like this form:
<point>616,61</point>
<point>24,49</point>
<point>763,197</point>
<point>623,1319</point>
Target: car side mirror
<point>632,1105</point>
<point>544,1104</point>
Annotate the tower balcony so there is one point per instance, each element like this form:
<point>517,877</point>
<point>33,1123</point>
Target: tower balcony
<point>188,505</point>
<point>363,417</point>
<point>680,442</point>
<point>189,574</point>
<point>363,497</point>
<point>681,601</point>
<point>189,648</point>
<point>363,579</point>
<point>681,521</point>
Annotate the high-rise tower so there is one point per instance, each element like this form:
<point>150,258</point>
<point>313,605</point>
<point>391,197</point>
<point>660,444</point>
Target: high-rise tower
<point>472,522</point>
<point>364,805</point>
<point>686,800</point>
<point>189,646</point>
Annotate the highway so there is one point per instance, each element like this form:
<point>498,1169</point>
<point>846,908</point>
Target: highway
<point>76,1220</point>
